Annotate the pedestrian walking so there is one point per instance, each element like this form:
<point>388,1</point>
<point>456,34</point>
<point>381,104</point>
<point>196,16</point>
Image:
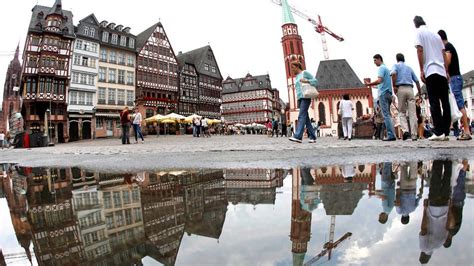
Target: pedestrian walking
<point>434,73</point>
<point>384,83</point>
<point>274,127</point>
<point>2,139</point>
<point>302,76</point>
<point>395,116</point>
<point>205,127</point>
<point>125,124</point>
<point>456,83</point>
<point>419,119</point>
<point>378,120</point>
<point>403,77</point>
<point>347,108</point>
<point>137,126</point>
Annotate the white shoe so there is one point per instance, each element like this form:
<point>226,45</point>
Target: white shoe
<point>312,141</point>
<point>436,138</point>
<point>295,139</point>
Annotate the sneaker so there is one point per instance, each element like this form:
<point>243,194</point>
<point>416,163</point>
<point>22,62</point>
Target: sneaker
<point>436,138</point>
<point>464,136</point>
<point>312,141</point>
<point>143,141</point>
<point>406,135</point>
<point>295,139</point>
<point>392,139</point>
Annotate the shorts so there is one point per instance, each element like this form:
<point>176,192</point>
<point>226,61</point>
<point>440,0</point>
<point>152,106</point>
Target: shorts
<point>456,83</point>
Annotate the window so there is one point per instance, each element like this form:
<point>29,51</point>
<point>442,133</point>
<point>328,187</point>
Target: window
<point>103,55</point>
<point>130,77</point>
<point>77,60</point>
<point>359,110</point>
<point>130,98</point>
<point>86,31</point>
<point>88,98</point>
<point>322,113</point>
<point>81,98</point>
<point>130,61</point>
<point>121,76</point>
<point>73,97</point>
<point>112,57</point>
<point>114,38</point>
<point>111,100</point>
<point>75,77</point>
<point>105,36</point>
<point>92,32</point>
<point>123,41</point>
<point>121,97</point>
<point>85,61</point>
<point>93,47</point>
<point>101,96</point>
<point>79,44</point>
<point>213,69</point>
<point>206,67</point>
<point>121,58</point>
<point>131,43</point>
<point>111,75</point>
<point>90,80</point>
<point>102,74</point>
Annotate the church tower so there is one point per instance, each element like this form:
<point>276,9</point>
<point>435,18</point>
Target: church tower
<point>292,49</point>
<point>11,100</point>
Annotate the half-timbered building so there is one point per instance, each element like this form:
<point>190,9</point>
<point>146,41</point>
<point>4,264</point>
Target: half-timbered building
<point>82,95</point>
<point>157,73</point>
<point>116,84</point>
<point>250,100</point>
<point>45,71</point>
<point>188,103</point>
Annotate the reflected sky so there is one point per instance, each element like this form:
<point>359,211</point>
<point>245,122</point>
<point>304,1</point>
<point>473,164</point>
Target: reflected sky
<point>334,215</point>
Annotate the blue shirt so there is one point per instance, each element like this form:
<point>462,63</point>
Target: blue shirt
<point>405,75</point>
<point>386,85</point>
<point>306,75</point>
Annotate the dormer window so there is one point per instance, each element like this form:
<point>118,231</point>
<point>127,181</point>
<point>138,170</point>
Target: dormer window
<point>86,31</point>
<point>114,38</point>
<point>92,32</point>
<point>123,41</point>
<point>105,36</point>
<point>131,43</point>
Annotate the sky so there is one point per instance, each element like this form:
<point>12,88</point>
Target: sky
<point>245,35</point>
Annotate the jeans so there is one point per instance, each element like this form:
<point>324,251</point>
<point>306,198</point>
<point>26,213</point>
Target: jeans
<point>126,133</point>
<point>456,83</point>
<point>138,132</point>
<point>437,87</point>
<point>385,101</point>
<point>303,120</point>
<point>406,102</point>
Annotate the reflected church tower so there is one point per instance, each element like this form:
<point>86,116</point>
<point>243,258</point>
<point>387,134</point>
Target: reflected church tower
<point>300,220</point>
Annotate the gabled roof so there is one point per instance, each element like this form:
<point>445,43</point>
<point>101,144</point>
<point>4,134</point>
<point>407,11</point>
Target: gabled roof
<point>199,58</point>
<point>235,85</point>
<point>91,19</point>
<point>143,37</point>
<point>337,74</point>
<point>38,20</point>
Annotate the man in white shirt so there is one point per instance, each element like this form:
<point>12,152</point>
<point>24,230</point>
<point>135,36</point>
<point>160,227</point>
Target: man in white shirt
<point>434,73</point>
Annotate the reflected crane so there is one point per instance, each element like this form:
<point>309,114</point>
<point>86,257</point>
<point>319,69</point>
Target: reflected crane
<point>328,246</point>
<point>318,27</point>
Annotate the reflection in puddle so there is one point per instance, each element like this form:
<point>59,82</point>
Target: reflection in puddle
<point>66,216</point>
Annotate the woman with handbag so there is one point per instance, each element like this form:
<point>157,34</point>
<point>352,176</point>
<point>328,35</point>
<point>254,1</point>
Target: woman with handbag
<point>303,78</point>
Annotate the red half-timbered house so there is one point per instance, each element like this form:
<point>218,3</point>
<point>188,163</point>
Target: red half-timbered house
<point>45,72</point>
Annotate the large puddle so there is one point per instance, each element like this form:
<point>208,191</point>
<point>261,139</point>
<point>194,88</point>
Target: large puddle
<point>373,214</point>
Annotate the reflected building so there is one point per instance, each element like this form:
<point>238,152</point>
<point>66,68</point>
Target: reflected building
<point>122,208</point>
<point>14,189</point>
<point>253,186</point>
<point>163,215</point>
<point>55,232</point>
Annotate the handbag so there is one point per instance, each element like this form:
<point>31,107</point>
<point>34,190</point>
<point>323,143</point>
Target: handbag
<point>309,91</point>
<point>455,113</point>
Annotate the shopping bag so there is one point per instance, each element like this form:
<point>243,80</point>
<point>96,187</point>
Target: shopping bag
<point>309,91</point>
<point>455,113</point>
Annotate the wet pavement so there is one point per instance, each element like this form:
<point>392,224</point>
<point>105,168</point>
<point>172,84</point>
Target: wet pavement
<point>346,214</point>
<point>248,151</point>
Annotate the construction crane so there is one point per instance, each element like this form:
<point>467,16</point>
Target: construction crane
<point>318,27</point>
<point>328,247</point>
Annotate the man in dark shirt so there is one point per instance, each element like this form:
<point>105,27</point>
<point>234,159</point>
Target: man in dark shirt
<point>125,124</point>
<point>456,83</point>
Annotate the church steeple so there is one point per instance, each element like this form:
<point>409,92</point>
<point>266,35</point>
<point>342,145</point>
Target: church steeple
<point>17,51</point>
<point>57,8</point>
<point>287,15</point>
